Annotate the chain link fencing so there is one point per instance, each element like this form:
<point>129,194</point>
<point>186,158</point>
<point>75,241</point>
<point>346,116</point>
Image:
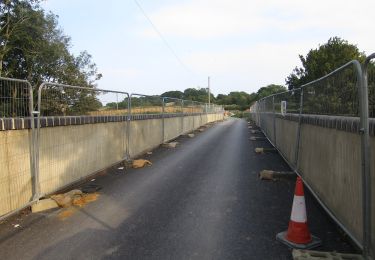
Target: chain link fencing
<point>15,98</point>
<point>368,146</point>
<point>61,150</point>
<point>16,112</point>
<point>173,105</point>
<point>62,123</point>
<point>146,104</point>
<point>296,122</point>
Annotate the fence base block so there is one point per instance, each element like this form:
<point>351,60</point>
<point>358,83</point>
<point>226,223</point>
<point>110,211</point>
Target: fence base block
<point>253,138</point>
<point>314,243</point>
<point>299,254</point>
<point>272,175</point>
<point>261,150</point>
<point>43,205</point>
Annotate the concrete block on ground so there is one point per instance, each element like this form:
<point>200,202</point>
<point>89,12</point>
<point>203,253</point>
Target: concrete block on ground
<point>191,135</point>
<point>253,138</point>
<point>266,175</point>
<point>262,150</point>
<point>299,254</point>
<point>274,175</point>
<point>43,205</point>
<point>170,145</point>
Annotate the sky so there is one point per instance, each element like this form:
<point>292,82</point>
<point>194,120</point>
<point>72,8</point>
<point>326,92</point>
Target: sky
<point>242,45</point>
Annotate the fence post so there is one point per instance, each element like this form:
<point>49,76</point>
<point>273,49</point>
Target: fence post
<point>182,116</point>
<point>37,142</point>
<point>296,154</point>
<point>192,113</point>
<point>274,121</point>
<point>259,117</point>
<point>33,151</point>
<point>128,127</point>
<point>163,120</point>
<point>365,147</point>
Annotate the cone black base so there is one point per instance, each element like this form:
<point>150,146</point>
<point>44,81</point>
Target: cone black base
<point>315,242</point>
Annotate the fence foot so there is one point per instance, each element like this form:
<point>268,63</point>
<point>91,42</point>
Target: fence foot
<point>262,150</point>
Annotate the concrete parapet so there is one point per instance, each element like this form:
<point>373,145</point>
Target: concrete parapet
<point>72,148</point>
<point>329,160</point>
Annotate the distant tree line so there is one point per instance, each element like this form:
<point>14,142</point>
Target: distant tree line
<point>236,100</point>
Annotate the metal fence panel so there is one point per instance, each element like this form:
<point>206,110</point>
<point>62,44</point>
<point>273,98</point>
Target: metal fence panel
<point>69,142</point>
<point>17,160</point>
<point>15,98</point>
<point>368,163</point>
<point>63,156</point>
<point>340,93</point>
<point>173,105</point>
<point>334,95</point>
<point>145,106</point>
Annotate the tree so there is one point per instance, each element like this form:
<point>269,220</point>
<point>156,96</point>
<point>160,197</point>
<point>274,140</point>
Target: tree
<point>270,90</point>
<point>323,60</point>
<point>12,18</point>
<point>173,94</point>
<point>37,50</point>
<point>200,95</point>
<point>236,100</point>
<point>336,94</point>
<point>33,47</point>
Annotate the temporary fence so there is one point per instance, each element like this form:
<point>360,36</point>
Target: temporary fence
<point>368,162</point>
<point>340,101</point>
<point>48,158</point>
<point>16,111</point>
<point>60,105</point>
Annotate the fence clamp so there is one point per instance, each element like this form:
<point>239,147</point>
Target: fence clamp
<point>362,131</point>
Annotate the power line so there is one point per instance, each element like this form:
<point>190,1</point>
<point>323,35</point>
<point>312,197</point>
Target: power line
<point>162,37</point>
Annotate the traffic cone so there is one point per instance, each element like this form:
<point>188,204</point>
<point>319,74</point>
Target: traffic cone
<point>298,234</point>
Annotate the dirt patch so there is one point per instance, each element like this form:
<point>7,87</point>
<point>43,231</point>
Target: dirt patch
<point>81,201</point>
<point>78,201</point>
<point>140,163</point>
<point>66,213</point>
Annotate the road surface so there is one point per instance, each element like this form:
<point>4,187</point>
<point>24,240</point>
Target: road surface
<point>201,200</point>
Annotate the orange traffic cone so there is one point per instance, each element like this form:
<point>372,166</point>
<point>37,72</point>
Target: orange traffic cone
<point>298,234</point>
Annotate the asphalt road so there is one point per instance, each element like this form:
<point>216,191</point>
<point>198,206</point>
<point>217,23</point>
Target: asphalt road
<point>201,200</point>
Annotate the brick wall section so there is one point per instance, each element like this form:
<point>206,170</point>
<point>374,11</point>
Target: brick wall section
<point>348,124</point>
<point>25,123</point>
<point>343,123</point>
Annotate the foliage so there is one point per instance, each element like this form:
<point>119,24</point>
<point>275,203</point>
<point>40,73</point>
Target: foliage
<point>200,95</point>
<point>238,113</point>
<point>137,101</point>
<point>173,94</point>
<point>270,90</point>
<point>323,60</point>
<point>33,47</point>
<point>337,94</point>
<point>242,100</point>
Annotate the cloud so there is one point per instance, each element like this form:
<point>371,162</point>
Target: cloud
<point>223,18</point>
<point>121,72</point>
<point>257,42</point>
<point>252,67</point>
